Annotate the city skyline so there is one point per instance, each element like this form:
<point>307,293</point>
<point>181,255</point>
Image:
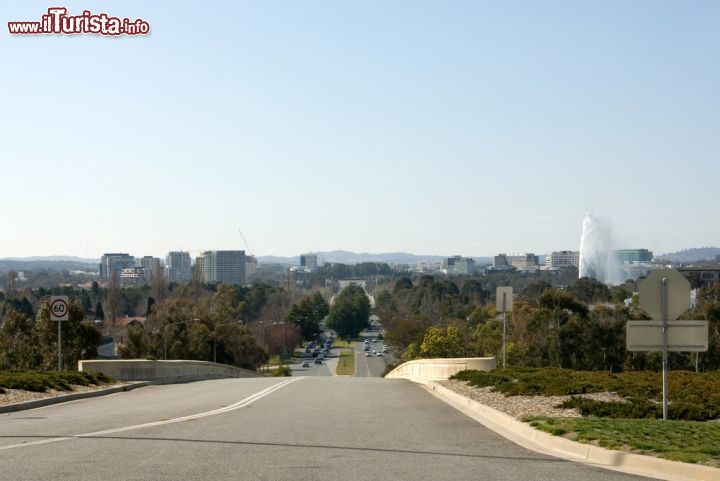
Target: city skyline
<point>472,128</point>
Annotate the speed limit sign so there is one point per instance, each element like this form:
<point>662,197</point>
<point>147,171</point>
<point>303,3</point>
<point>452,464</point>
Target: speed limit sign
<point>59,310</point>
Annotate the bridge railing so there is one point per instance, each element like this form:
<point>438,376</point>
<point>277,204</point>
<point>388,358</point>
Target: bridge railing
<point>427,370</point>
<point>162,372</point>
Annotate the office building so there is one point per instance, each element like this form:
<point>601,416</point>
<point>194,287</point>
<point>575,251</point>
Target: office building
<point>500,260</point>
<point>308,262</point>
<point>250,268</point>
<point>524,262</point>
<point>227,267</point>
<point>563,259</point>
<point>151,265</point>
<point>115,262</point>
<point>634,255</point>
<point>178,266</point>
<point>458,265</point>
<point>702,276</point>
<point>429,267</point>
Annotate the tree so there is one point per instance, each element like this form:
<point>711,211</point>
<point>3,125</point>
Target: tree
<point>99,313</point>
<point>308,314</point>
<point>18,342</point>
<point>80,340</point>
<point>441,342</point>
<point>350,313</point>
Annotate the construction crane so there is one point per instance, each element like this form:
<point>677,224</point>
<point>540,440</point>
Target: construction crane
<point>247,247</point>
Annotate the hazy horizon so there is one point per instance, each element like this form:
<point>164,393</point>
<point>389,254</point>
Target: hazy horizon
<point>467,128</point>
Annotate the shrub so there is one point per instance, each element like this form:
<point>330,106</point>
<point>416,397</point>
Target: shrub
<point>281,371</point>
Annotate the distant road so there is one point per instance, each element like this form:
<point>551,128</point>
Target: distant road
<point>269,429</point>
<point>368,366</point>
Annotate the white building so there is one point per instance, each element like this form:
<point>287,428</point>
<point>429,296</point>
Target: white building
<point>563,259</point>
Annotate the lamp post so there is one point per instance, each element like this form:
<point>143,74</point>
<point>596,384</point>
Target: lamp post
<point>165,334</point>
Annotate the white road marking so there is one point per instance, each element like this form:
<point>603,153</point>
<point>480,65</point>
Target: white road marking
<point>242,403</point>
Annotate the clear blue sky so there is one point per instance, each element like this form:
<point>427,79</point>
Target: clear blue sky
<point>459,127</point>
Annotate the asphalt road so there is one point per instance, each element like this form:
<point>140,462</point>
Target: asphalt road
<point>268,429</point>
<point>327,368</point>
<point>368,366</point>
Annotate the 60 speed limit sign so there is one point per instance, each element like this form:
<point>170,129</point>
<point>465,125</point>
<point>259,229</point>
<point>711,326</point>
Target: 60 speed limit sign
<point>59,308</point>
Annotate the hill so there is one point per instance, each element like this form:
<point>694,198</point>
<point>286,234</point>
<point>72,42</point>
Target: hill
<point>691,255</point>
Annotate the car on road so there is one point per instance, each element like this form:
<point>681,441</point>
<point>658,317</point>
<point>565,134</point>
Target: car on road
<point>306,364</point>
<point>378,353</point>
<point>367,354</point>
<point>318,360</point>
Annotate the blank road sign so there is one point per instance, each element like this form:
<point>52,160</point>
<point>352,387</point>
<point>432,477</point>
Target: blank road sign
<point>687,336</point>
<point>508,291</point>
<point>677,291</point>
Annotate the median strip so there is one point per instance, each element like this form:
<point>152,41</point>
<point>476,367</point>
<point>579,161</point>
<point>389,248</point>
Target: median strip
<point>346,364</point>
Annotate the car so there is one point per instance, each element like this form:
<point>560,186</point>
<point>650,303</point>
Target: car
<point>306,364</point>
<point>318,360</point>
<point>368,354</point>
<point>378,353</point>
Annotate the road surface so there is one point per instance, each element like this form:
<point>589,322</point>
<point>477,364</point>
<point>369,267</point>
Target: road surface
<point>274,429</point>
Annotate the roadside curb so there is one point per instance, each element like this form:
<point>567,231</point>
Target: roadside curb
<point>11,408</point>
<point>530,438</point>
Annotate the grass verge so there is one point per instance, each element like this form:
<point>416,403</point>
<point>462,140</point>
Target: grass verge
<point>339,343</point>
<point>686,441</point>
<point>346,364</point>
<point>693,396</point>
<point>41,381</point>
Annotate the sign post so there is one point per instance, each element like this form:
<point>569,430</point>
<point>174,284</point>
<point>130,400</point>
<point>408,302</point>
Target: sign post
<point>504,304</point>
<point>665,294</point>
<point>59,312</point>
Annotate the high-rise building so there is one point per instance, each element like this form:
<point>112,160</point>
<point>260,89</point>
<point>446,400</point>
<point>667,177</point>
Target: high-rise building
<point>150,265</point>
<point>250,268</point>
<point>563,259</point>
<point>458,265</point>
<point>500,260</point>
<point>308,262</point>
<point>115,262</point>
<point>178,266</point>
<point>227,267</point>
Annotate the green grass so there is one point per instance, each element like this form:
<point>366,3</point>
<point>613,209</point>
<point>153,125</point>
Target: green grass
<point>339,343</point>
<point>686,441</point>
<point>346,364</point>
<point>693,396</point>
<point>41,381</point>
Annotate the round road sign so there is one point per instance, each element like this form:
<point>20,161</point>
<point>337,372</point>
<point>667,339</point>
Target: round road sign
<point>59,308</point>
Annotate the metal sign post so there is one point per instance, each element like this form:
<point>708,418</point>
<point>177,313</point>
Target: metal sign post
<point>665,295</point>
<point>59,312</point>
<point>504,303</point>
<point>663,304</point>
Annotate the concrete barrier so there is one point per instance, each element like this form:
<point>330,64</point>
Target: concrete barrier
<point>164,372</point>
<point>428,370</point>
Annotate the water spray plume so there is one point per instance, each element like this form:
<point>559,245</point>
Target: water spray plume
<point>597,257</point>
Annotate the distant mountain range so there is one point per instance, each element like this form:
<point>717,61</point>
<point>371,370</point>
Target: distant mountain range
<point>347,257</point>
<point>51,263</point>
<point>691,255</point>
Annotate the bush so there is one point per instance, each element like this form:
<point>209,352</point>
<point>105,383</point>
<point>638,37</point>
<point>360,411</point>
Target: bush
<point>693,396</point>
<point>41,381</point>
<point>281,371</point>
